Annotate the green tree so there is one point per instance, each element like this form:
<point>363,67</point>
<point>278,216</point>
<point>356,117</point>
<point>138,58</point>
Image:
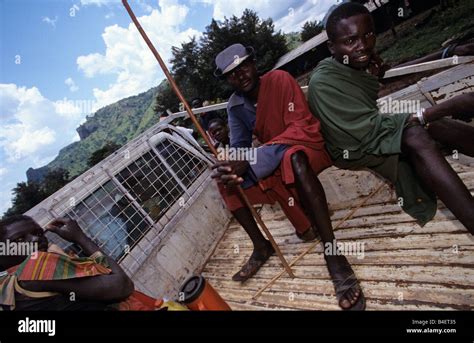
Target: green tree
<point>166,99</point>
<point>54,180</point>
<point>311,29</point>
<point>25,196</point>
<point>102,153</point>
<point>293,40</point>
<point>186,67</point>
<point>193,62</point>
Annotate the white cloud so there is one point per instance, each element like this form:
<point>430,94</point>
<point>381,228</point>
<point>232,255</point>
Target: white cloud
<point>99,2</point>
<point>145,7</point>
<point>3,171</point>
<point>128,58</point>
<point>71,84</point>
<point>288,16</point>
<point>226,8</point>
<point>34,127</point>
<point>309,11</point>
<point>141,3</point>
<point>50,21</point>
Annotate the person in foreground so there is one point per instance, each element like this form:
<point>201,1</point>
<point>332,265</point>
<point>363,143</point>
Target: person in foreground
<point>292,153</point>
<point>49,279</point>
<point>342,94</point>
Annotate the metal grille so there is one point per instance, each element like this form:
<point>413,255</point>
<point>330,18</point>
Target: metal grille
<point>185,165</point>
<point>111,220</point>
<point>151,184</point>
<point>116,223</point>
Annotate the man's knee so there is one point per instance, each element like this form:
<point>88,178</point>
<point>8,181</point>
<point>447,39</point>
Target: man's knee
<point>299,161</point>
<point>417,140</point>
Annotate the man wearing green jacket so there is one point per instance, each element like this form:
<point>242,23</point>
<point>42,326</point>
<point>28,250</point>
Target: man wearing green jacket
<point>342,95</point>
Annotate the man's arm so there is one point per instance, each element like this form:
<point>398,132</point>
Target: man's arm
<point>460,107</point>
<point>267,157</point>
<point>240,135</point>
<point>111,287</point>
<point>460,50</point>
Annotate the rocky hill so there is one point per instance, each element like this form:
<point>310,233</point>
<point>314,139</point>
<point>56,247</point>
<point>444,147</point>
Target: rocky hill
<point>117,123</point>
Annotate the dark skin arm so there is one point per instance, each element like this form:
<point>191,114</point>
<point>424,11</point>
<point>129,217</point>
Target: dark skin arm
<point>460,107</point>
<point>111,287</point>
<point>230,172</point>
<point>377,67</point>
<point>460,50</point>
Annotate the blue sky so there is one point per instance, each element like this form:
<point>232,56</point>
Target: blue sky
<point>62,59</point>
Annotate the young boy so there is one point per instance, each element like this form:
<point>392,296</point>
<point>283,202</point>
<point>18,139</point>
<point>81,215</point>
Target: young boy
<point>342,95</point>
<point>273,108</point>
<point>219,131</point>
<point>49,279</point>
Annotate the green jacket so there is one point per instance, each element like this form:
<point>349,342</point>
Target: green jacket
<point>357,136</point>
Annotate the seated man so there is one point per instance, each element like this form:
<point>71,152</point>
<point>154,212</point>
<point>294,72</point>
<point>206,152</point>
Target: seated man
<point>342,95</point>
<point>286,165</point>
<point>49,279</point>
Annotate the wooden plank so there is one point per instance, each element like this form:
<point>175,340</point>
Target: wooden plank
<point>430,268</point>
<point>398,293</point>
<point>446,77</point>
<point>428,257</point>
<point>405,299</point>
<point>402,241</point>
<point>425,66</point>
<point>452,90</point>
<point>447,275</point>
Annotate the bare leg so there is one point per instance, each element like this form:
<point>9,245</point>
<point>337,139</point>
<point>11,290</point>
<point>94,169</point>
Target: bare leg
<point>262,248</point>
<point>454,135</point>
<point>313,200</point>
<point>245,218</point>
<point>438,175</point>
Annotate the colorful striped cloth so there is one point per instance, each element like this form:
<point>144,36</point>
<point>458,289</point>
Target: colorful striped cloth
<point>54,264</point>
<point>57,265</point>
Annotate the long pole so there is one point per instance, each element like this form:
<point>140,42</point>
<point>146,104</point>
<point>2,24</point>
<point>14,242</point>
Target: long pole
<point>203,134</point>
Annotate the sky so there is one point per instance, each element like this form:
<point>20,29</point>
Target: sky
<point>60,60</point>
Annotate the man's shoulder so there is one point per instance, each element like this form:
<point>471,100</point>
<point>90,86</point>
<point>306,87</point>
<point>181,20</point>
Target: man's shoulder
<point>321,73</point>
<point>234,100</point>
<point>277,74</point>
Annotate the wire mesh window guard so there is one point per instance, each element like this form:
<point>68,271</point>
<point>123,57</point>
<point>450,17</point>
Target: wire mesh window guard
<point>110,219</point>
<point>113,220</point>
<point>186,166</point>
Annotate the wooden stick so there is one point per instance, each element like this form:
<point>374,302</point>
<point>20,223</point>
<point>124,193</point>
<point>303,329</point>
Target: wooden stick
<point>203,134</point>
<point>315,244</point>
